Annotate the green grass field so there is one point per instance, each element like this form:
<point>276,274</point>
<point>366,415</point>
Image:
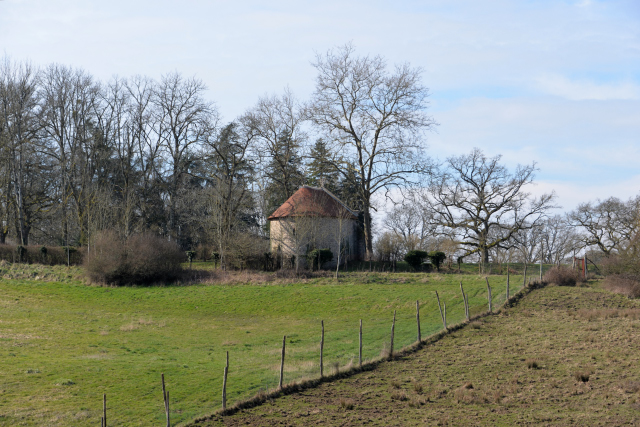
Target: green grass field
<point>64,343</point>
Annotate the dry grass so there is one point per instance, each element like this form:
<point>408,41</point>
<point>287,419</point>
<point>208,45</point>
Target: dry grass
<point>399,395</point>
<point>609,313</point>
<point>346,404</point>
<point>583,375</point>
<point>623,285</point>
<point>532,363</point>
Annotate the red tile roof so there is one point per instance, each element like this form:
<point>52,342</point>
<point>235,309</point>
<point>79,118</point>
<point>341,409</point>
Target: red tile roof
<point>312,201</point>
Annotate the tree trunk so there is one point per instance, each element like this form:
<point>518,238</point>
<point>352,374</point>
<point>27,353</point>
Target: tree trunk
<point>368,240</point>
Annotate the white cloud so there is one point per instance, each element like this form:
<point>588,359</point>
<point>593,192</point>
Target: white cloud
<point>571,194</point>
<point>585,89</point>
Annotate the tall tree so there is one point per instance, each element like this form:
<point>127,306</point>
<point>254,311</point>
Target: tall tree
<point>607,224</point>
<point>482,202</point>
<point>228,199</point>
<point>18,106</point>
<point>321,169</point>
<point>276,122</point>
<point>68,98</point>
<point>184,120</point>
<point>375,117</point>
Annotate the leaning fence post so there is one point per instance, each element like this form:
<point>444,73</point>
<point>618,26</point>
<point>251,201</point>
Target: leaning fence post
<point>284,340</point>
<point>444,321</point>
<point>360,352</point>
<point>165,396</point>
<point>465,300</point>
<point>321,348</point>
<point>224,384</point>
<point>418,319</point>
<point>489,295</point>
<point>393,329</point>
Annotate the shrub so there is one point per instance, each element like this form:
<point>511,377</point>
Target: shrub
<point>562,276</point>
<point>622,273</point>
<point>142,259</point>
<point>415,259</point>
<point>317,257</point>
<point>436,258</point>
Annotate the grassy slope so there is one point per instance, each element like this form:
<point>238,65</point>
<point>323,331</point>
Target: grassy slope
<point>485,374</point>
<point>63,344</point>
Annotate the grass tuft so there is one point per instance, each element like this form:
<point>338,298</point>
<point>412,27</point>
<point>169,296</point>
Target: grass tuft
<point>346,404</point>
<point>532,364</point>
<point>582,375</point>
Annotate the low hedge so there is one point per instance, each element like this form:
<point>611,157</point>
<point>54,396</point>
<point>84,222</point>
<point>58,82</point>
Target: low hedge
<point>48,255</point>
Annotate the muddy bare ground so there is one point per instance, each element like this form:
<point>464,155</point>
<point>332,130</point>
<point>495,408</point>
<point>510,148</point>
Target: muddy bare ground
<point>562,356</point>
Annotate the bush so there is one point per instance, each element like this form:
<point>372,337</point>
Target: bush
<point>415,259</point>
<point>436,258</point>
<point>317,257</point>
<point>562,276</point>
<point>623,273</point>
<point>143,259</point>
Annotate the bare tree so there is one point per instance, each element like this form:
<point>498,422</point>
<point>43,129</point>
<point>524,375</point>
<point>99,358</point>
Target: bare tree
<point>343,232</point>
<point>68,97</point>
<point>276,122</point>
<point>389,247</point>
<point>559,239</point>
<point>607,224</point>
<point>411,224</point>
<point>18,132</point>
<point>184,120</point>
<point>228,197</point>
<point>483,203</point>
<point>375,117</point>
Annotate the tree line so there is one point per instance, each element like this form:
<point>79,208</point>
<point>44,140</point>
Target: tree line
<point>471,207</point>
<point>139,155</point>
<point>79,155</point>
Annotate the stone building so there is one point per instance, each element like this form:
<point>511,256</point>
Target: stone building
<point>313,218</point>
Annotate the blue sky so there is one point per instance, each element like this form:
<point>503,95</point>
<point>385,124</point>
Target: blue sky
<point>555,82</point>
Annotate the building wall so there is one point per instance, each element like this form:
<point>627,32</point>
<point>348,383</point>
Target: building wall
<point>297,235</point>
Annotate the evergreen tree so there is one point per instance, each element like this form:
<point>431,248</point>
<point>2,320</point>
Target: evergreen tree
<point>321,171</point>
<point>349,188</point>
<point>284,173</point>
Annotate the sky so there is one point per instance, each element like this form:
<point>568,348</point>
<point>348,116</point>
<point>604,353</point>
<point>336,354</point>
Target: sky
<point>552,82</point>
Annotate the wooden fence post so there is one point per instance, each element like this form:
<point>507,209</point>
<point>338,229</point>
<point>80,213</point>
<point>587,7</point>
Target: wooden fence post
<point>224,384</point>
<point>507,282</point>
<point>104,410</point>
<point>465,300</point>
<point>322,349</point>
<point>165,396</point>
<point>444,304</point>
<point>393,329</point>
<point>541,259</point>
<point>284,341</point>
<point>360,352</point>
<point>444,321</point>
<point>418,319</point>
<point>489,295</point>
